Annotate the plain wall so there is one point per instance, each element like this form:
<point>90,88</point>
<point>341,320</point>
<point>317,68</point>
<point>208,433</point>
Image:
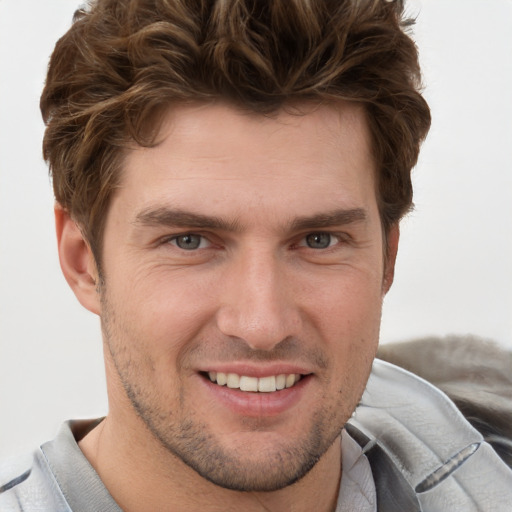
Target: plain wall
<point>454,270</point>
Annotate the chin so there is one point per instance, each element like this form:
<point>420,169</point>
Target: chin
<point>268,463</point>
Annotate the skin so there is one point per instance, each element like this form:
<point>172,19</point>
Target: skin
<point>256,295</point>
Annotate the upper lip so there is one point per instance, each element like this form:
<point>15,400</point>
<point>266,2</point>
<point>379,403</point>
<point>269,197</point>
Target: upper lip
<point>259,371</point>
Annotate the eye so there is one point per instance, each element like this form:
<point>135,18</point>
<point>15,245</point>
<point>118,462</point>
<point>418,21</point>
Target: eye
<point>320,240</point>
<point>189,242</point>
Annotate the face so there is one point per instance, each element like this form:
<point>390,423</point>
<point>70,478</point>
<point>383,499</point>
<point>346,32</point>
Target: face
<point>242,285</point>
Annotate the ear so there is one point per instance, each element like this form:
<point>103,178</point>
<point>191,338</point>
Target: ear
<point>77,261</point>
<point>393,237</point>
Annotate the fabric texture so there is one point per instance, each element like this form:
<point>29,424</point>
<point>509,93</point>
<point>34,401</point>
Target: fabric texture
<point>407,448</point>
<point>424,454</point>
<point>56,478</point>
<point>357,488</point>
<point>475,373</point>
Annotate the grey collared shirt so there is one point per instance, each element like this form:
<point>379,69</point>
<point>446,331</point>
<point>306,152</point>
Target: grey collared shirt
<point>58,478</point>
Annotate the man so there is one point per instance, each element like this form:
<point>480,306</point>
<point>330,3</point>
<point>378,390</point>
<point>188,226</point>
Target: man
<point>230,177</point>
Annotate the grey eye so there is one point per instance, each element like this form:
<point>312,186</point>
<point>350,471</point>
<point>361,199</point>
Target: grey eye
<point>188,242</point>
<point>318,240</point>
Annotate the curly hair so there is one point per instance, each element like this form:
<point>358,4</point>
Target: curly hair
<point>124,62</point>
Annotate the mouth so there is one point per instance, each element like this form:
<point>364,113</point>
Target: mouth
<point>268,384</point>
<point>256,392</point>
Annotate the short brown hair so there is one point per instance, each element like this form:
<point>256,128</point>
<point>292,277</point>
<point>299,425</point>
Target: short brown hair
<point>124,61</point>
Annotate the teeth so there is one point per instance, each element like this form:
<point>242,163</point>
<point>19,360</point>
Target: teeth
<point>267,384</point>
<point>290,380</point>
<point>233,381</point>
<point>253,384</point>
<point>248,383</point>
<point>280,382</point>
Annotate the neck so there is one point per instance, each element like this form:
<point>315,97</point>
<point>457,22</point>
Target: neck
<point>142,476</point>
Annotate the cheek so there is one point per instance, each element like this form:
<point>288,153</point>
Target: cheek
<point>349,305</point>
<point>159,312</point>
<point>348,318</point>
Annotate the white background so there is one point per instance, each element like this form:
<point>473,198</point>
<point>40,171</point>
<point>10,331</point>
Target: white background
<point>454,272</point>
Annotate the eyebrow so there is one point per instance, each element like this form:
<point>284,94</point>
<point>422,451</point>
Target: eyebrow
<point>177,218</point>
<point>338,217</point>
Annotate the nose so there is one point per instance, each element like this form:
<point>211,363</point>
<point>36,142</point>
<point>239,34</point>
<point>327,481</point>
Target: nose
<point>258,305</point>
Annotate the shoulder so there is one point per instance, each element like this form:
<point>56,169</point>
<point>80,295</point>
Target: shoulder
<point>412,430</point>
<point>476,374</point>
<point>13,472</point>
<point>26,485</point>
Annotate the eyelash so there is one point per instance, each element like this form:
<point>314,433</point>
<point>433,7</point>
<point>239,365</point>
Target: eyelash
<point>174,238</point>
<point>334,240</point>
<point>337,238</point>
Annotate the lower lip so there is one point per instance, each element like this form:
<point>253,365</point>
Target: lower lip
<point>257,405</point>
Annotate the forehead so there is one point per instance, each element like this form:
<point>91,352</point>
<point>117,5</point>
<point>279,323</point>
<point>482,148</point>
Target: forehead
<point>214,154</point>
<point>220,130</point>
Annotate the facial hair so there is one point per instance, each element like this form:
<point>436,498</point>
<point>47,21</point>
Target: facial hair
<point>183,435</point>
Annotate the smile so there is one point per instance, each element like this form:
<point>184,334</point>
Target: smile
<point>268,384</point>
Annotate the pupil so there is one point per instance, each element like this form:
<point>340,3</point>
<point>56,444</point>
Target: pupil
<point>318,240</point>
<point>188,242</point>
